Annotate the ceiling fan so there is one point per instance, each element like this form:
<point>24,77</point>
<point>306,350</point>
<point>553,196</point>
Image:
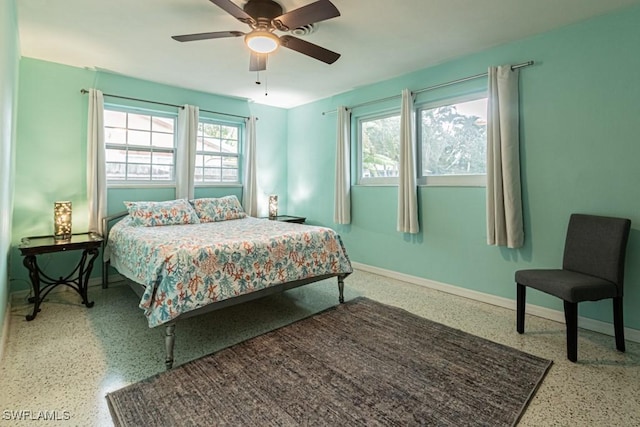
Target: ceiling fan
<point>265,17</point>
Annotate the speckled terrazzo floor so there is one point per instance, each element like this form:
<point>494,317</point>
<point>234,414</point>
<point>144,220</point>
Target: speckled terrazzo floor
<point>69,357</point>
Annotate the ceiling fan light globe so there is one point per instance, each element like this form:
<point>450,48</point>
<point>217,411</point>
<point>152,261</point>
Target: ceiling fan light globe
<point>262,41</point>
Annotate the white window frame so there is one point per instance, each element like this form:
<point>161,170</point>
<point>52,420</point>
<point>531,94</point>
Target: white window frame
<point>240,126</point>
<point>470,180</point>
<point>372,181</point>
<point>130,183</point>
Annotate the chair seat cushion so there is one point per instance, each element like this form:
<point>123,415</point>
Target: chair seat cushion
<point>568,285</point>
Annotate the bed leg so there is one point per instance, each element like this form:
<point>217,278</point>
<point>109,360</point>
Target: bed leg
<point>341,289</point>
<point>169,341</point>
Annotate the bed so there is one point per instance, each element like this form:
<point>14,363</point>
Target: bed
<point>186,258</point>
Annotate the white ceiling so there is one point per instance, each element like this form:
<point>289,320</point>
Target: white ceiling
<point>378,39</point>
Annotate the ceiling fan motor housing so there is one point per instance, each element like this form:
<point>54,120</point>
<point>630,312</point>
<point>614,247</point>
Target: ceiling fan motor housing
<point>267,9</point>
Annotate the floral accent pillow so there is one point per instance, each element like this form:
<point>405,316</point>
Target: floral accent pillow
<point>218,209</point>
<point>171,212</point>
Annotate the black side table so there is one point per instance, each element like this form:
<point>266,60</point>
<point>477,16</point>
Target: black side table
<point>30,247</point>
<point>288,218</point>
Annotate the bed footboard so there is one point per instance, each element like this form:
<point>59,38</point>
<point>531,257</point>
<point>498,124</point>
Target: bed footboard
<point>106,226</point>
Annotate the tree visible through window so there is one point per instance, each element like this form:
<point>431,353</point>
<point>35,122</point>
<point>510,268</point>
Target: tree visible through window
<point>454,139</point>
<point>380,147</point>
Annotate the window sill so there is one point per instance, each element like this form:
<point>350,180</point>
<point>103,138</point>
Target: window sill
<point>454,181</point>
<point>433,181</point>
<point>217,184</point>
<point>141,184</point>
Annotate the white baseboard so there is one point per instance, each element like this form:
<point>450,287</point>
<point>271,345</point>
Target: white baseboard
<point>112,279</point>
<point>546,313</point>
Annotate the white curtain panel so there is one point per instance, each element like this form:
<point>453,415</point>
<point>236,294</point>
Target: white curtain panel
<point>407,190</point>
<point>96,162</point>
<point>250,191</point>
<point>188,118</point>
<point>504,200</point>
<point>342,206</point>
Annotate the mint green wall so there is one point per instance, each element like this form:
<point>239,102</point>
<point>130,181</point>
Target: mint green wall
<point>51,148</point>
<point>580,151</point>
<point>271,148</point>
<point>9,56</point>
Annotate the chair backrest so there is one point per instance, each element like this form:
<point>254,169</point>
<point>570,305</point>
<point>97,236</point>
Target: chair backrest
<point>597,245</point>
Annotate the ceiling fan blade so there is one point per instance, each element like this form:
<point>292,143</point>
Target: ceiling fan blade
<point>258,62</point>
<point>206,36</point>
<point>235,11</point>
<point>309,49</point>
<point>320,10</point>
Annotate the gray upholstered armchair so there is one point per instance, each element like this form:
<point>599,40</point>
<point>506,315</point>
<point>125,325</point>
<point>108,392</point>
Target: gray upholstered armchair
<point>592,269</point>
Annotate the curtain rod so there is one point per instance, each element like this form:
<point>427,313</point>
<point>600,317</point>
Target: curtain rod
<point>438,86</point>
<point>84,91</point>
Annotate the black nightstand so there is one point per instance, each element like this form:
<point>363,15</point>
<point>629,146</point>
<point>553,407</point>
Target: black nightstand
<point>30,247</point>
<point>289,218</point>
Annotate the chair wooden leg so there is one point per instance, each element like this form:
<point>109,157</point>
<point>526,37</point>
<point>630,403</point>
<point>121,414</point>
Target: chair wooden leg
<point>522,296</point>
<point>571,319</point>
<point>618,323</point>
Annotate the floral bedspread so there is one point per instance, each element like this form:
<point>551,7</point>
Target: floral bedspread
<point>185,267</point>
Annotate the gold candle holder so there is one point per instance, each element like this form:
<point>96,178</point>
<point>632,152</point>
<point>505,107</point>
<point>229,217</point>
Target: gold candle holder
<point>62,220</point>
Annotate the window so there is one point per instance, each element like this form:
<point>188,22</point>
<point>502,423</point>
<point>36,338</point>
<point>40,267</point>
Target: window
<point>379,149</point>
<point>217,153</point>
<point>452,142</point>
<point>139,147</point>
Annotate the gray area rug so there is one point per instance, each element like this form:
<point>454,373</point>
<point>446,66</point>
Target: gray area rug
<point>360,363</point>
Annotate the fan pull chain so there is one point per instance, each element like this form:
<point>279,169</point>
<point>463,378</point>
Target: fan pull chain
<point>266,86</point>
<point>266,83</point>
